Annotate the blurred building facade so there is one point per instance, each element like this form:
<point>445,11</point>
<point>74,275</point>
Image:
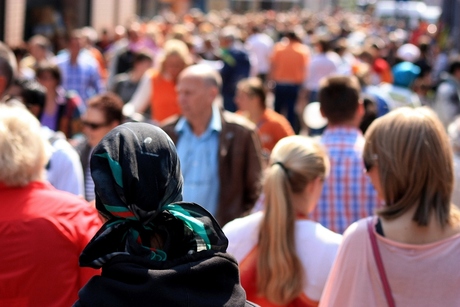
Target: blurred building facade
<point>20,19</point>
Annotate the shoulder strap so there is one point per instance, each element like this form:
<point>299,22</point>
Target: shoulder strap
<point>380,267</point>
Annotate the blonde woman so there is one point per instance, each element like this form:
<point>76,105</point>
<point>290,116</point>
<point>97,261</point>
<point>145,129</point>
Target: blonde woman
<point>157,88</point>
<point>408,254</point>
<point>284,257</point>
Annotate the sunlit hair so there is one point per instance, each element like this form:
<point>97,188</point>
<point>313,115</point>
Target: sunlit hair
<point>24,152</point>
<point>178,48</point>
<point>280,275</point>
<point>414,158</point>
<point>253,87</point>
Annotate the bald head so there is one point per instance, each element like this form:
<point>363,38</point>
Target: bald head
<point>204,72</point>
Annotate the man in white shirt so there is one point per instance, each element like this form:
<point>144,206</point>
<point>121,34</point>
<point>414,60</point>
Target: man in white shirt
<point>260,45</point>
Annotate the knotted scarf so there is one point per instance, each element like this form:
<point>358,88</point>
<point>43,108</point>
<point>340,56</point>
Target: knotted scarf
<point>138,185</point>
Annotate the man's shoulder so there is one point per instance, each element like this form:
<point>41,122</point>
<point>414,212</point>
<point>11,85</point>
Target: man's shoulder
<point>169,123</point>
<point>237,121</point>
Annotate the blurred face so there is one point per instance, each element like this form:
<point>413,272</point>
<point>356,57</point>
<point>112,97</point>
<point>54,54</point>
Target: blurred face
<point>142,66</point>
<point>47,80</point>
<point>173,65</point>
<point>95,126</point>
<point>37,52</point>
<point>243,100</point>
<point>194,96</point>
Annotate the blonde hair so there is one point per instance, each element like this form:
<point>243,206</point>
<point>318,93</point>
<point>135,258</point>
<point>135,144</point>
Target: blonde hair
<point>412,152</point>
<point>294,162</point>
<point>23,150</point>
<point>176,47</point>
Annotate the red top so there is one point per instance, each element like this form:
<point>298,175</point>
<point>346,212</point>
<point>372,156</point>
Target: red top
<point>248,276</point>
<point>42,233</point>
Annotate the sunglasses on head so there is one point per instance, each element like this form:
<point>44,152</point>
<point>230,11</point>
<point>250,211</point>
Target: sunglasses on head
<point>93,126</point>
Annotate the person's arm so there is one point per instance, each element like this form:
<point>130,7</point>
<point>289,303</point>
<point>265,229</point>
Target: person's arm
<point>66,167</point>
<point>140,100</point>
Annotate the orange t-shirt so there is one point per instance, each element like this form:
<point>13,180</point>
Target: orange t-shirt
<point>164,98</point>
<point>289,62</point>
<point>271,128</point>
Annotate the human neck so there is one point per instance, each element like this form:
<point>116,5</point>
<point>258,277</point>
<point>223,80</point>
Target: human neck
<point>200,125</point>
<point>405,230</point>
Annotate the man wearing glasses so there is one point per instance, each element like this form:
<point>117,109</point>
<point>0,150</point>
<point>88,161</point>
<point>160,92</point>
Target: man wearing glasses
<point>103,113</point>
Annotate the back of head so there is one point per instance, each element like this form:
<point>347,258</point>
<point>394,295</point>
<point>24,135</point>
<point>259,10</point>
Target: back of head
<point>135,167</point>
<point>412,152</point>
<point>294,162</point>
<point>339,98</point>
<point>8,67</point>
<point>23,153</point>
<point>32,94</point>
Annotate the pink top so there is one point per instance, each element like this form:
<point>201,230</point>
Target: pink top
<point>419,275</point>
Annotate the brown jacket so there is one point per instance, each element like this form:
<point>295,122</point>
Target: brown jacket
<point>240,165</point>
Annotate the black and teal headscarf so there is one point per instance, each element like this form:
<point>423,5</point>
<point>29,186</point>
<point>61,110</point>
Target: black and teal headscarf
<point>138,185</point>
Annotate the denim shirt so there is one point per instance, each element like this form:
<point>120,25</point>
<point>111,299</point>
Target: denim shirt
<point>199,158</point>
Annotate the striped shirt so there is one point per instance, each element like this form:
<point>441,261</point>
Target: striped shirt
<point>348,194</point>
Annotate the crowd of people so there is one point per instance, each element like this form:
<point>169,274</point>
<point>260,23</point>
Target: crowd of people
<point>178,163</point>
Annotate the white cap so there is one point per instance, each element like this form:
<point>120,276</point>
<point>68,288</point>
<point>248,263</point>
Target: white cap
<point>312,116</point>
<point>408,52</point>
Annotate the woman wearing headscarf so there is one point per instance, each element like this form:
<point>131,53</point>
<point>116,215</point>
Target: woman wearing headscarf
<point>153,249</point>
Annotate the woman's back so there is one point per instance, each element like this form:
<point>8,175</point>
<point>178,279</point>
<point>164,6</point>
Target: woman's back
<point>316,247</point>
<point>418,275</point>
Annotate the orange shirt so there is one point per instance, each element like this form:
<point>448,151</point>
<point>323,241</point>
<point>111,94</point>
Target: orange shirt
<point>271,128</point>
<point>289,62</point>
<point>164,98</point>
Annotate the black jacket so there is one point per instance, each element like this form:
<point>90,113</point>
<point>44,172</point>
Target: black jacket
<point>206,278</point>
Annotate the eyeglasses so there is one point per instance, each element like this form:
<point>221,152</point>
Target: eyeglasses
<point>94,126</point>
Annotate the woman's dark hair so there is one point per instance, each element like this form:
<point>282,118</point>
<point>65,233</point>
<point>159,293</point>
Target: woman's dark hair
<point>52,68</point>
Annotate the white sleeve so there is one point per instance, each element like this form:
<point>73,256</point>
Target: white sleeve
<point>141,97</point>
<point>65,172</point>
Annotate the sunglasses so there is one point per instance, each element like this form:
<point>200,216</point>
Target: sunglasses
<point>368,165</point>
<point>94,126</point>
